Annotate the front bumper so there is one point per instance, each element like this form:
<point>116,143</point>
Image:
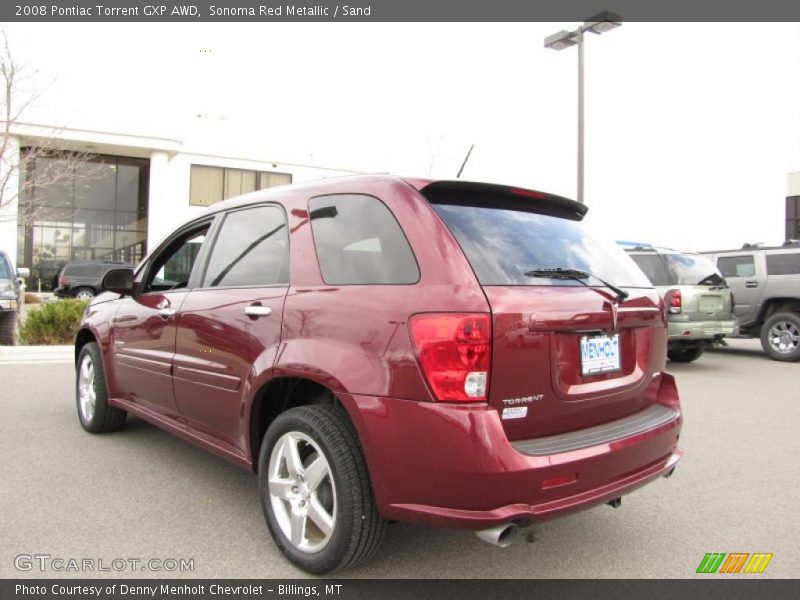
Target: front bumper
<point>452,465</point>
<point>701,330</point>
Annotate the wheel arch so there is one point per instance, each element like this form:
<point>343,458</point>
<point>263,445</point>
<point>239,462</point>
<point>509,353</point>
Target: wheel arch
<point>776,305</point>
<point>280,393</point>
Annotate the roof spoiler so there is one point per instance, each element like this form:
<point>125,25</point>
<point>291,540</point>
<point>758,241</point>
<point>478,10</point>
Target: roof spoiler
<point>470,193</point>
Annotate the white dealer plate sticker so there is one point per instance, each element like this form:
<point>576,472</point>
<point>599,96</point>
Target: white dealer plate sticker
<point>600,354</point>
<point>515,412</point>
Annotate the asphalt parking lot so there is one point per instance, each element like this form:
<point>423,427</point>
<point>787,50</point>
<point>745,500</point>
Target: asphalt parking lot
<point>142,493</point>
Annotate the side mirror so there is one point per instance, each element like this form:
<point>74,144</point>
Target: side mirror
<point>119,281</point>
<point>23,272</point>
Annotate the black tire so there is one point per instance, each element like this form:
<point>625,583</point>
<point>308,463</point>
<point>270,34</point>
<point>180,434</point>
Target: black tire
<point>102,418</point>
<point>85,293</point>
<point>358,529</point>
<point>780,336</point>
<point>686,355</point>
<point>8,328</point>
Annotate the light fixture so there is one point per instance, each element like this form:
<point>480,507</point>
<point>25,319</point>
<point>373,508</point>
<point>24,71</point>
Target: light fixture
<point>562,39</point>
<point>602,22</point>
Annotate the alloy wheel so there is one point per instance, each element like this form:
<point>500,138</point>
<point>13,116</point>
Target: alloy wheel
<point>302,492</point>
<point>784,337</point>
<point>87,395</point>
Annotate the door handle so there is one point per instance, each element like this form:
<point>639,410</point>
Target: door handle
<point>751,284</point>
<point>257,310</point>
<point>166,312</point>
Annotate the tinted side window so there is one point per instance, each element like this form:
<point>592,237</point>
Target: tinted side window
<point>358,241</point>
<point>783,264</point>
<point>737,266</point>
<point>654,267</point>
<point>84,270</point>
<point>172,267</point>
<point>252,249</point>
<point>5,268</point>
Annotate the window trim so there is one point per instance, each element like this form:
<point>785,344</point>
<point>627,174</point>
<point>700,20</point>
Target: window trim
<point>211,243</point>
<point>399,226</point>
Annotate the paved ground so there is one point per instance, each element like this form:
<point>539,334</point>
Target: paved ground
<point>142,493</point>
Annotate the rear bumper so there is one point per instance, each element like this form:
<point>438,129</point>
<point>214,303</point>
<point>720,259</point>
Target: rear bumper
<point>701,330</point>
<point>449,465</point>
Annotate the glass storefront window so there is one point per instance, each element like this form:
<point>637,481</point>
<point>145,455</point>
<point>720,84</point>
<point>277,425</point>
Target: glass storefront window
<point>96,211</point>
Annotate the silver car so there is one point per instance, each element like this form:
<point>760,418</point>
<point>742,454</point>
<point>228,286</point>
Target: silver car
<point>698,300</point>
<point>766,285</point>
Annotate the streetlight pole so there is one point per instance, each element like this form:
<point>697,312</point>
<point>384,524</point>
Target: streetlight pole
<point>580,116</point>
<point>600,23</point>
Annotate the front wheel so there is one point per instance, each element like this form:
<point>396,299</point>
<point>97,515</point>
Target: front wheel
<point>315,490</point>
<point>686,355</point>
<point>780,336</point>
<point>8,328</point>
<point>91,396</point>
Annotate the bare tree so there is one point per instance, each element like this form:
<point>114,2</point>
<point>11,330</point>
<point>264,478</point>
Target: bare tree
<point>34,174</point>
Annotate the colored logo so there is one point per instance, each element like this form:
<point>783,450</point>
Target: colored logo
<point>734,562</point>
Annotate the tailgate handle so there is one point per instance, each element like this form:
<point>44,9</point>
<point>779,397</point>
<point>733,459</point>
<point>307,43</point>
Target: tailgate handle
<point>751,284</point>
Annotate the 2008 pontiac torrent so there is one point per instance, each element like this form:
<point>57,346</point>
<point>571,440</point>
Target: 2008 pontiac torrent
<point>381,349</point>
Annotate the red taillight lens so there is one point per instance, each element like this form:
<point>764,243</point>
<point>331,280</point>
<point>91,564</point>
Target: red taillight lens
<point>674,301</point>
<point>454,352</point>
<point>61,281</point>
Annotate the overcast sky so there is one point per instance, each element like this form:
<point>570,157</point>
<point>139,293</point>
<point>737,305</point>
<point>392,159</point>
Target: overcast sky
<point>691,128</point>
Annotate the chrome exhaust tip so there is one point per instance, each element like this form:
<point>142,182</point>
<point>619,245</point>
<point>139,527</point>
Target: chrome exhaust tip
<point>499,535</point>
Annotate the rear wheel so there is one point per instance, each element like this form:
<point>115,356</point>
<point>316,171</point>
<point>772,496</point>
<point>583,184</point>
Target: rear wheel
<point>91,396</point>
<point>8,328</point>
<point>315,490</point>
<point>84,293</point>
<point>686,355</point>
<point>780,336</point>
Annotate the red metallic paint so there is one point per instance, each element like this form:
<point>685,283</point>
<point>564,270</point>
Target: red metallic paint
<point>429,462</point>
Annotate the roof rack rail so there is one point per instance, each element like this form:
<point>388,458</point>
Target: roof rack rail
<point>751,246</point>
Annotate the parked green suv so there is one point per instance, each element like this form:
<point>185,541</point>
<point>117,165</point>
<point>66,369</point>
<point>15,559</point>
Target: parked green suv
<point>698,300</point>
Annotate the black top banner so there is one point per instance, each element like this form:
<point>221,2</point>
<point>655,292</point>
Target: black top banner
<point>396,10</point>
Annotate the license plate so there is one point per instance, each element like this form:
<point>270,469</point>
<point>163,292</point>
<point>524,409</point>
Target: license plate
<point>710,304</point>
<point>600,354</point>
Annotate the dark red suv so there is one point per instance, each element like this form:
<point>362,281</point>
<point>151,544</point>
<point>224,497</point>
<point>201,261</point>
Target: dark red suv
<point>447,353</point>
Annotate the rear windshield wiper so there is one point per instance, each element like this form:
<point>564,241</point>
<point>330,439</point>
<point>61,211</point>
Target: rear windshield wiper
<point>576,275</point>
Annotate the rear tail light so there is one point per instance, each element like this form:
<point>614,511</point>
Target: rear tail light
<point>453,350</point>
<point>673,302</point>
<point>61,281</point>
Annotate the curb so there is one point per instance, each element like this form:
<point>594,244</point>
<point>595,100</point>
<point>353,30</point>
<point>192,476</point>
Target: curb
<point>36,354</point>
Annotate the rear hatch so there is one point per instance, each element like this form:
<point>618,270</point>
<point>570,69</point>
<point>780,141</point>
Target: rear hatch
<point>567,353</point>
<point>704,294</point>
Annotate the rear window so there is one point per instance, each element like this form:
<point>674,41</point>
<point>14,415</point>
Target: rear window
<point>690,269</point>
<point>655,268</point>
<point>359,242</point>
<point>502,244</point>
<point>783,264</point>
